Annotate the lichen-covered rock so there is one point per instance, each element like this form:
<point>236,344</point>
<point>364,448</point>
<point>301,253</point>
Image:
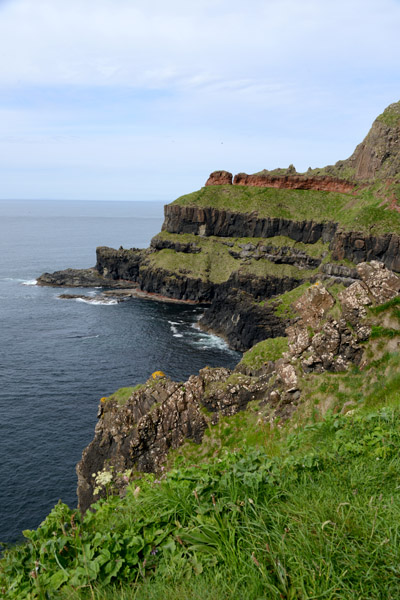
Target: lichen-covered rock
<point>287,374</point>
<point>158,417</point>
<point>381,284</point>
<point>314,304</point>
<point>354,300</point>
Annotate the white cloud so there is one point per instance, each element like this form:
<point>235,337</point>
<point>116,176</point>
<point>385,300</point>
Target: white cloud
<point>105,86</point>
<point>151,43</point>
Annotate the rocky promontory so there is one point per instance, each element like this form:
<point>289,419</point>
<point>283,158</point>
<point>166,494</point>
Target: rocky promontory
<point>331,332</point>
<point>279,259</point>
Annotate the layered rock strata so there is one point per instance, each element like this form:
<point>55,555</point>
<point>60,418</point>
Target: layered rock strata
<point>291,182</point>
<point>350,245</point>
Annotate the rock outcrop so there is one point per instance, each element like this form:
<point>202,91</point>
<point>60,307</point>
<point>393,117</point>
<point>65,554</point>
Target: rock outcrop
<point>294,182</point>
<point>266,179</point>
<point>119,264</point>
<point>378,155</point>
<point>159,417</point>
<point>220,178</point>
<point>162,414</point>
<point>78,278</point>
<point>209,221</point>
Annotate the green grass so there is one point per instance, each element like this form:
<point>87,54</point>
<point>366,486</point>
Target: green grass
<point>319,249</point>
<point>283,303</point>
<point>393,303</point>
<point>215,264</point>
<point>391,116</point>
<point>299,510</point>
<point>270,349</point>
<point>363,212</point>
<point>378,331</point>
<point>316,518</point>
<point>122,395</point>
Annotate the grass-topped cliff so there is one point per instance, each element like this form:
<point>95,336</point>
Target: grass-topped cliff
<point>266,506</point>
<point>367,210</point>
<point>278,479</point>
<point>304,509</point>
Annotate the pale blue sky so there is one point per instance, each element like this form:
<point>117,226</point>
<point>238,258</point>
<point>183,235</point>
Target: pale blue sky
<point>142,99</point>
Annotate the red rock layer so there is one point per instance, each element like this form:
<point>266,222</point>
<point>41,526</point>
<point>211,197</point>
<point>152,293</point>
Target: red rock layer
<point>220,178</point>
<point>294,182</point>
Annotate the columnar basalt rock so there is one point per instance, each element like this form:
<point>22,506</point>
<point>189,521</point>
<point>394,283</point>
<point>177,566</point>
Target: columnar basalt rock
<point>209,221</point>
<point>119,264</point>
<point>350,245</point>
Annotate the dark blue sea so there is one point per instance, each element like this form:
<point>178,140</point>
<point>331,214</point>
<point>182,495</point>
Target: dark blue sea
<point>58,357</point>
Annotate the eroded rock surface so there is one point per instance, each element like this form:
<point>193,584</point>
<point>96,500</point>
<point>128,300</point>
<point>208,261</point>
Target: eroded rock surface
<point>158,417</point>
<point>294,182</point>
<point>162,414</point>
<point>77,278</point>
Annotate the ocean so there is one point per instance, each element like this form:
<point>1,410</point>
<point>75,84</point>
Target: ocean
<point>59,357</point>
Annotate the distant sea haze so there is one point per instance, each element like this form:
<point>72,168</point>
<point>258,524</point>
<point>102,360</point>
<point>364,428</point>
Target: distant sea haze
<point>58,357</point>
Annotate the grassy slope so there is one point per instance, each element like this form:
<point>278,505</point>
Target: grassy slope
<point>362,212</point>
<point>215,264</point>
<point>310,509</point>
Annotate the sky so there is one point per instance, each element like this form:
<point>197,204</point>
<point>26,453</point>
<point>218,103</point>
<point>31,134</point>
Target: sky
<point>142,99</point>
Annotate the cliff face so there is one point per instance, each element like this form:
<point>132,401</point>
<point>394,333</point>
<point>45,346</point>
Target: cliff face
<point>291,182</point>
<point>245,251</point>
<point>329,334</point>
<point>378,155</point>
<point>351,245</point>
<point>210,221</point>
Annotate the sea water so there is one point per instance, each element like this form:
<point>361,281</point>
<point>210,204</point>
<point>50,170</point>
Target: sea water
<point>58,357</point>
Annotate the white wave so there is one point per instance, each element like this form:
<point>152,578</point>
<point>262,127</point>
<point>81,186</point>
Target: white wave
<point>104,302</point>
<point>180,335</point>
<point>175,322</point>
<point>209,341</point>
<point>29,282</point>
<point>23,281</point>
<point>87,337</point>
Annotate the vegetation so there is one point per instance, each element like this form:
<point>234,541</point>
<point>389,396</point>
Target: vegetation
<point>122,395</point>
<point>391,115</point>
<point>215,263</point>
<point>270,349</point>
<point>283,304</point>
<point>315,517</point>
<point>261,509</point>
<point>367,211</point>
<point>319,249</point>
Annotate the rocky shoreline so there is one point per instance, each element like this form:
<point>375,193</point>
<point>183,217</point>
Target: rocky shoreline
<point>264,274</point>
<point>329,334</point>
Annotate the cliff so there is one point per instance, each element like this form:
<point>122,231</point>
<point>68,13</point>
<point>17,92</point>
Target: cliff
<point>332,331</point>
<point>247,247</point>
<point>298,271</point>
<point>291,182</point>
<point>378,155</point>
